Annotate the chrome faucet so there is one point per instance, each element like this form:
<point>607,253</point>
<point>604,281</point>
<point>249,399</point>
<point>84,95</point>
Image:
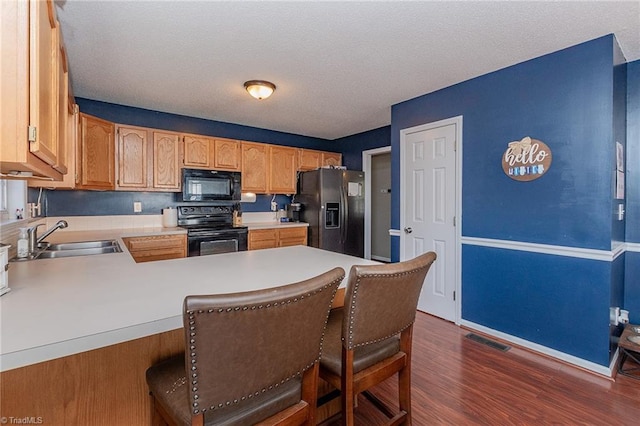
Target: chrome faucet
<point>34,240</point>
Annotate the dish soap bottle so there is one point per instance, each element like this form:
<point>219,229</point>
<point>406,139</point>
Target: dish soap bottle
<point>23,244</point>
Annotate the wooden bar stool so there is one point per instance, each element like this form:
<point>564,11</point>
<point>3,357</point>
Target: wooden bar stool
<point>369,339</point>
<point>251,358</point>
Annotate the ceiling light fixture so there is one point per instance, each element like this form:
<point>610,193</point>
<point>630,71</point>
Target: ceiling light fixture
<point>259,89</point>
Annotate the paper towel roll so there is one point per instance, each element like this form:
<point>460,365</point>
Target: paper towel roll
<point>169,217</point>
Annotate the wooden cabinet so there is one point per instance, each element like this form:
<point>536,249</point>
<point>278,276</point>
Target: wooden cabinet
<point>263,238</point>
<point>96,154</point>
<point>133,157</point>
<point>331,159</point>
<point>268,169</point>
<point>29,83</point>
<point>197,151</point>
<point>274,237</point>
<point>157,247</point>
<point>294,236</point>
<point>43,82</point>
<point>309,159</point>
<point>62,161</point>
<point>254,167</point>
<point>71,146</point>
<point>282,170</point>
<point>166,161</point>
<point>148,160</point>
<point>226,154</point>
<point>211,153</point>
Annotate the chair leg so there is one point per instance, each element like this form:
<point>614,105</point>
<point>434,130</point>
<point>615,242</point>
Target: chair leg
<point>404,375</point>
<point>347,396</point>
<point>310,392</point>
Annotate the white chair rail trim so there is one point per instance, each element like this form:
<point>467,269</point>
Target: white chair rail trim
<point>584,253</point>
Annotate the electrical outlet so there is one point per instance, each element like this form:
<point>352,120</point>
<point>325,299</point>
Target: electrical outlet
<point>137,207</point>
<point>274,206</point>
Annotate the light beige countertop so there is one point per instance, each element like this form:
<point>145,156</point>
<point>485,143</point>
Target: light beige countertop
<point>58,307</point>
<point>277,225</point>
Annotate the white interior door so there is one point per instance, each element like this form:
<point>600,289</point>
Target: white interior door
<point>428,209</point>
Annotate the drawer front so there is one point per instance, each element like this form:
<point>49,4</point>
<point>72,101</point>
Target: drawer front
<point>263,234</point>
<point>159,254</point>
<point>157,242</point>
<point>297,232</point>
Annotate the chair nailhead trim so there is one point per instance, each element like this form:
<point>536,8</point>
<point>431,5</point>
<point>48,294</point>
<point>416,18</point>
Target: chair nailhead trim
<point>193,356</point>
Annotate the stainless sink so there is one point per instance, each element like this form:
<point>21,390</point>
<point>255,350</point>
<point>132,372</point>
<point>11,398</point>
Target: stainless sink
<point>83,248</point>
<point>83,245</point>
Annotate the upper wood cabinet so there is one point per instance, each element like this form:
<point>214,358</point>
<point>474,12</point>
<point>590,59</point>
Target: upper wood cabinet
<point>197,151</point>
<point>133,157</point>
<point>254,167</point>
<point>96,154</point>
<point>30,43</point>
<point>226,154</point>
<point>62,161</point>
<point>309,159</point>
<point>71,146</point>
<point>282,170</point>
<point>43,99</point>
<point>212,153</point>
<point>148,160</point>
<point>331,159</point>
<point>166,161</point>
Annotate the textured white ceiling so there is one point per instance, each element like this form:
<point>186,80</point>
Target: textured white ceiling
<point>338,66</point>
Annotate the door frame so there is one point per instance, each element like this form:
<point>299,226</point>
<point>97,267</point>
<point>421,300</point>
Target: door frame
<point>366,168</point>
<point>457,121</point>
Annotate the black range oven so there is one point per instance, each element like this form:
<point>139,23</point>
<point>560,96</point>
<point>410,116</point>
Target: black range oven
<point>210,230</point>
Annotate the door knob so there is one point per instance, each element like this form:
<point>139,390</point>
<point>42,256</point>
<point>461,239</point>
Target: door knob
<point>408,230</point>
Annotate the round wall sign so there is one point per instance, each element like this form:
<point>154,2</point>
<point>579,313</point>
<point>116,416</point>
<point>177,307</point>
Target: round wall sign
<point>526,160</point>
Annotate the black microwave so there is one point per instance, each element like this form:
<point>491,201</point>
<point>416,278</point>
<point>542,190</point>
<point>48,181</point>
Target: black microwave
<point>210,185</point>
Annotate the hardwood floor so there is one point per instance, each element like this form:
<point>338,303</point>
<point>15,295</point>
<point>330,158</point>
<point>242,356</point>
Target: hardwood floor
<point>457,381</point>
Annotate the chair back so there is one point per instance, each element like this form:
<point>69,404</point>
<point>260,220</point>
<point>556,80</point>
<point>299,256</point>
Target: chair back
<point>242,345</point>
<point>381,300</point>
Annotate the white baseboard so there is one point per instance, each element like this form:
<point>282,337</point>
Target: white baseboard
<point>570,359</point>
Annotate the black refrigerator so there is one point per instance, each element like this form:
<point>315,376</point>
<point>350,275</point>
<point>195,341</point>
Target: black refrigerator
<point>333,205</point>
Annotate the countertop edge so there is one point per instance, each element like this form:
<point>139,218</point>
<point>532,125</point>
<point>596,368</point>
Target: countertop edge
<point>23,358</point>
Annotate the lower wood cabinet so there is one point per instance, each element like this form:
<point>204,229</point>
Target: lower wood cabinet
<point>274,237</point>
<point>157,247</point>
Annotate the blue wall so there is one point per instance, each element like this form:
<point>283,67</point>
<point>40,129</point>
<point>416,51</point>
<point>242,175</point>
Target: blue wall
<point>352,146</point>
<point>555,301</point>
<point>565,99</point>
<point>180,123</point>
<point>79,203</point>
<point>619,133</point>
<point>632,265</point>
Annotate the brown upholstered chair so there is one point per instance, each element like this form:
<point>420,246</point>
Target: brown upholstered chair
<point>369,339</point>
<point>251,358</point>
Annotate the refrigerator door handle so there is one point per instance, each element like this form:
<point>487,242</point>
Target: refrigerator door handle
<point>345,214</point>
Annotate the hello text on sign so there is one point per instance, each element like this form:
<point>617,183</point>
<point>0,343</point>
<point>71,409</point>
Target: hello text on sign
<point>526,160</point>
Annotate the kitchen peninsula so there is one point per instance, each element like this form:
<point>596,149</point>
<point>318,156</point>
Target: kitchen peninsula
<point>78,333</point>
